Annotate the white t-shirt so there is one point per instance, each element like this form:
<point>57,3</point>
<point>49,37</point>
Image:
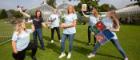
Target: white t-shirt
<point>55,19</point>
<point>93,20</point>
<point>22,40</point>
<point>68,20</point>
<point>109,25</point>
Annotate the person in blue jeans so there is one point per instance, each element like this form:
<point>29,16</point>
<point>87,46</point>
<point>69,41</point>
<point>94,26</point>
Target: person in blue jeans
<point>112,23</point>
<point>37,22</point>
<point>69,30</point>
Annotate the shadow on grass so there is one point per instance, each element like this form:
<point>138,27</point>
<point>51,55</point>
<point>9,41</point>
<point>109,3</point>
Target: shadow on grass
<point>85,51</point>
<point>54,47</point>
<point>46,38</point>
<point>107,55</point>
<point>81,42</point>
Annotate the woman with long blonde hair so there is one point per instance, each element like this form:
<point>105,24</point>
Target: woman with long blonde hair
<point>21,41</point>
<point>69,30</point>
<point>112,23</point>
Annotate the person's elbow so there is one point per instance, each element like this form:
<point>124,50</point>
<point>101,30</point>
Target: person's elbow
<point>74,24</point>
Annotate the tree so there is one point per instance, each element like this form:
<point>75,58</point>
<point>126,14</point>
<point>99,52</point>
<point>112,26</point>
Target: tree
<point>113,7</point>
<point>104,8</point>
<point>52,3</point>
<point>3,14</point>
<point>16,14</point>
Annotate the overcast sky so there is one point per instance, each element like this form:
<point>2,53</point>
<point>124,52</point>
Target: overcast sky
<point>11,4</point>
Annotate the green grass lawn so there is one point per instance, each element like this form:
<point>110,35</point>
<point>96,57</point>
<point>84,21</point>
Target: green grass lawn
<point>129,38</point>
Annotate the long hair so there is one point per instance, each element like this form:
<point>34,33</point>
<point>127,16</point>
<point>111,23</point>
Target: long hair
<point>95,12</point>
<point>19,26</point>
<point>37,12</point>
<point>115,22</point>
<point>73,9</point>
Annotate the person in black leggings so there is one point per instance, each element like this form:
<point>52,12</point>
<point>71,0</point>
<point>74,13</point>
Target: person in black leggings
<point>21,41</point>
<point>93,19</point>
<point>54,25</point>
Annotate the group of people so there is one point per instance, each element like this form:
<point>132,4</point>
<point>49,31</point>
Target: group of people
<point>21,36</point>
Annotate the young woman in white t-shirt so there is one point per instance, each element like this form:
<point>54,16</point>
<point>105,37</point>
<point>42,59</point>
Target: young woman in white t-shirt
<point>54,22</point>
<point>21,41</point>
<point>112,23</point>
<point>69,30</point>
<point>93,19</point>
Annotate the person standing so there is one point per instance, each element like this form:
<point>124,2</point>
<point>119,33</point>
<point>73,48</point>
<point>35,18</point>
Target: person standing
<point>21,41</point>
<point>54,22</point>
<point>112,23</point>
<point>37,22</point>
<point>93,19</point>
<point>69,30</point>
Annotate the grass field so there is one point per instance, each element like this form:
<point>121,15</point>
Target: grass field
<point>129,37</point>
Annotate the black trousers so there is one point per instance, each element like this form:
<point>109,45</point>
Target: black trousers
<point>89,35</point>
<point>21,54</point>
<point>52,32</point>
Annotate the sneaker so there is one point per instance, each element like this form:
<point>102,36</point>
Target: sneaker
<point>60,41</point>
<point>126,58</point>
<point>62,55</point>
<point>69,56</point>
<point>52,41</point>
<point>91,55</point>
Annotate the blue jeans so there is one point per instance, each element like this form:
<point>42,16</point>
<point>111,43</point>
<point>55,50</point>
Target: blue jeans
<point>70,37</point>
<point>38,32</point>
<point>115,43</point>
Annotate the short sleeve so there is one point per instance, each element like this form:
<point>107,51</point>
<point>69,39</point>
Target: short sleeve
<point>75,17</point>
<point>50,17</point>
<point>41,20</point>
<point>14,37</point>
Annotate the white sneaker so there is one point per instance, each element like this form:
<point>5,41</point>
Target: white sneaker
<point>52,41</point>
<point>69,56</point>
<point>62,55</point>
<point>60,41</point>
<point>91,55</point>
<point>126,58</point>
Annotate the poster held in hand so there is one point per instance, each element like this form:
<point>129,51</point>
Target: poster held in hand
<point>101,33</point>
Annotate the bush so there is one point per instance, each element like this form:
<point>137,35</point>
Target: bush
<point>16,14</point>
<point>3,14</point>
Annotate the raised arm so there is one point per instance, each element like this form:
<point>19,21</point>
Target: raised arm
<point>24,13</point>
<point>85,14</point>
<point>117,27</point>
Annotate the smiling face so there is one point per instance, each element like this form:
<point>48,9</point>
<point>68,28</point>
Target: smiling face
<point>70,9</point>
<point>109,14</point>
<point>38,14</point>
<point>20,26</point>
<point>95,12</point>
